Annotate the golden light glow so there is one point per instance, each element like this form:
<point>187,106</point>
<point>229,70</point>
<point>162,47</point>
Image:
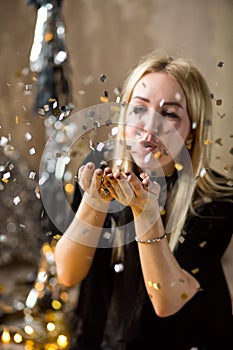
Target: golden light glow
<point>6,337</point>
<point>62,340</point>
<point>29,330</point>
<point>51,326</point>
<point>18,338</point>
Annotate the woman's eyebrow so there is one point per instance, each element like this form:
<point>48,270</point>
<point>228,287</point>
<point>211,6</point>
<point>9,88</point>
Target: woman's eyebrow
<point>165,103</point>
<point>141,98</point>
<point>172,103</point>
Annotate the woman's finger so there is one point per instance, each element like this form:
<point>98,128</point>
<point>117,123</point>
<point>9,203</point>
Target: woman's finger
<point>85,175</point>
<point>135,183</point>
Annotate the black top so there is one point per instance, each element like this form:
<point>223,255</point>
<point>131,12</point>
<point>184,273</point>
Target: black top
<point>114,311</point>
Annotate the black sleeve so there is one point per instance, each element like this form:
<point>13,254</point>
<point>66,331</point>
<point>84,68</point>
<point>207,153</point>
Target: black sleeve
<point>205,238</point>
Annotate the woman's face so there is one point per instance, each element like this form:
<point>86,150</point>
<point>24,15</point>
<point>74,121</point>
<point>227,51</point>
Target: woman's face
<point>157,122</point>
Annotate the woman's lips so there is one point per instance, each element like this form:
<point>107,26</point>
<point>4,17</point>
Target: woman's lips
<point>149,147</point>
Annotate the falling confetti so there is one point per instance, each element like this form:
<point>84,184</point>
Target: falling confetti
<point>220,64</point>
<point>103,78</point>
<point>178,166</point>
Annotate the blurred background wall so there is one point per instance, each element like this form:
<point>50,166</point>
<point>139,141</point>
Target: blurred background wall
<point>108,37</point>
<point>102,37</point>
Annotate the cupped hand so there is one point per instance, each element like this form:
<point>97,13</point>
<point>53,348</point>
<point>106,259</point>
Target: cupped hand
<point>91,181</point>
<point>129,190</point>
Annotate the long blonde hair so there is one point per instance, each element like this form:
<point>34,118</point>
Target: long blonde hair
<point>205,185</point>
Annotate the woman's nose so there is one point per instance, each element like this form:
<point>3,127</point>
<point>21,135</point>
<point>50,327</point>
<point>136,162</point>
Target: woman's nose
<point>151,130</point>
<point>151,124</point>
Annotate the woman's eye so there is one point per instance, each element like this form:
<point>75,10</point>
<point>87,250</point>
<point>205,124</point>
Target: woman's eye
<point>169,114</point>
<point>139,110</point>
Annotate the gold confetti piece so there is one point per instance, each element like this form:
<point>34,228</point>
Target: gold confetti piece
<point>104,99</point>
<point>218,102</point>
<point>194,271</point>
<point>37,192</point>
<point>154,285</point>
<point>230,183</point>
<point>184,296</point>
<point>162,211</point>
<point>203,244</point>
<point>178,166</point>
<point>48,37</point>
<point>150,283</point>
<point>207,142</point>
<point>69,188</point>
<point>18,120</point>
<point>57,237</point>
<point>56,305</point>
<point>157,155</point>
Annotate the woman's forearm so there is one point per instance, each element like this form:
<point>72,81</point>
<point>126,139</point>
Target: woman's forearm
<point>168,285</point>
<point>75,250</point>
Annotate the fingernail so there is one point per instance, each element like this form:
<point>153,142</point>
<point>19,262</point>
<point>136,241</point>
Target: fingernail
<point>99,172</point>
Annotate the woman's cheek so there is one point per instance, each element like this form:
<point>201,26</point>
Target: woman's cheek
<point>131,132</point>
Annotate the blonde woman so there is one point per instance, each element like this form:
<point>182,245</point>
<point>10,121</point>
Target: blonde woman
<point>165,289</point>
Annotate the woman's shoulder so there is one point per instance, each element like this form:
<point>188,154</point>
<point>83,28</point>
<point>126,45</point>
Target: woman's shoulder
<point>217,209</point>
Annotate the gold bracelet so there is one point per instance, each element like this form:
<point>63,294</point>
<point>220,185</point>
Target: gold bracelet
<point>151,241</point>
